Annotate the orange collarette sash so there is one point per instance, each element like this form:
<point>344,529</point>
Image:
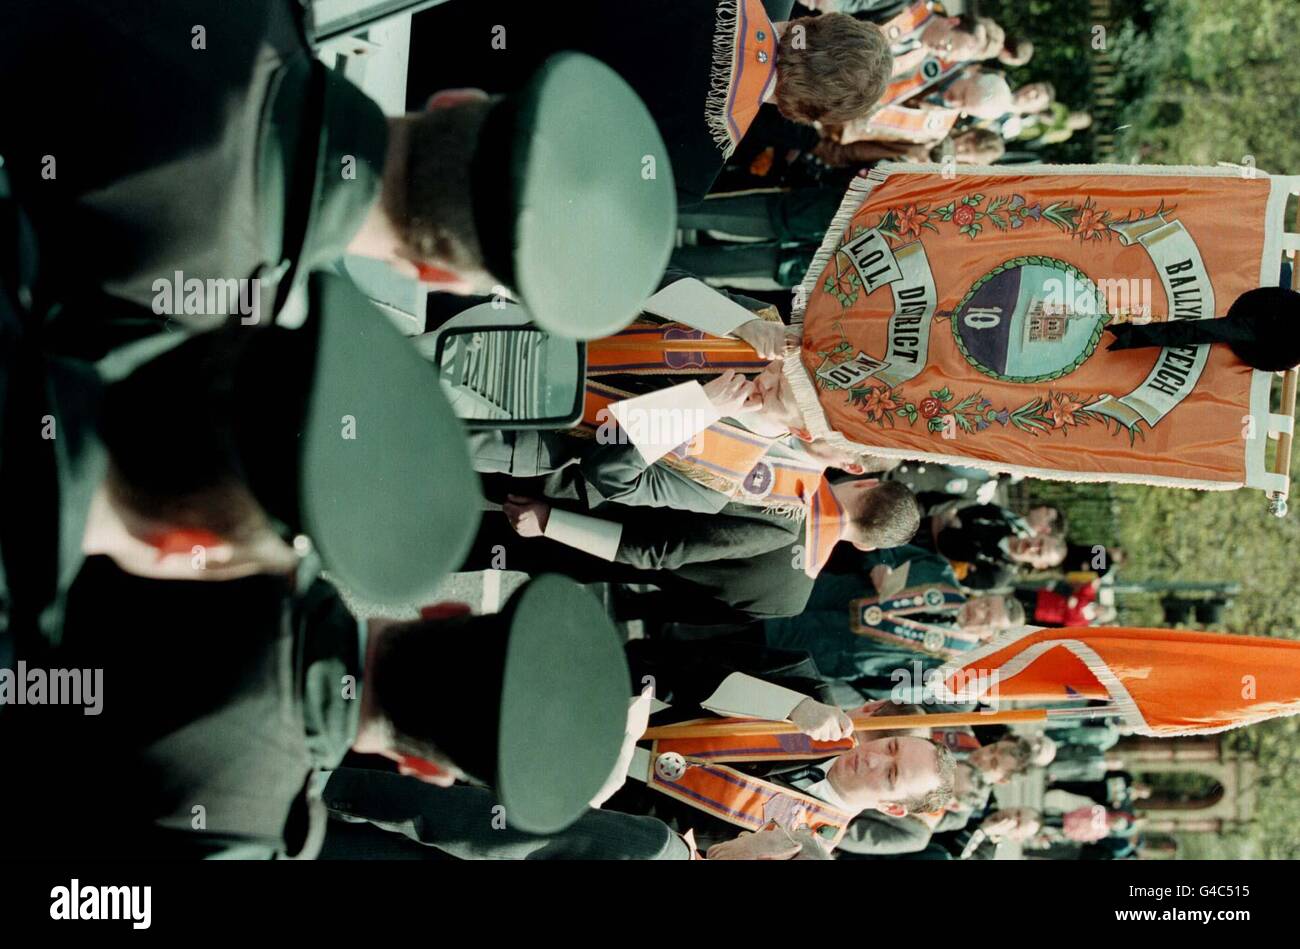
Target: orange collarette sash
<point>900,123</point>
<point>669,348</point>
<point>734,461</point>
<point>823,527</point>
<point>723,457</point>
<point>744,68</point>
<point>745,801</point>
<point>909,23</point>
<point>910,80</point>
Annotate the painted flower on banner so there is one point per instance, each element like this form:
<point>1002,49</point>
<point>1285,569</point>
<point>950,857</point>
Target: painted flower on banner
<point>910,221</point>
<point>1063,409</point>
<point>1092,223</point>
<point>905,223</point>
<point>1005,212</point>
<point>1020,212</point>
<point>880,404</point>
<point>943,411</point>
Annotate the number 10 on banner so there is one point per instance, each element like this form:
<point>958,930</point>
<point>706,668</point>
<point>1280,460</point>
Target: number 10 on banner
<point>851,372</point>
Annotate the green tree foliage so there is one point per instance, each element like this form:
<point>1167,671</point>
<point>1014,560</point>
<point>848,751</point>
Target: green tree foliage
<point>1201,82</point>
<point>1207,81</point>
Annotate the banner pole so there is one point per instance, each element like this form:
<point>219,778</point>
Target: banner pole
<point>712,344</point>
<point>729,727</point>
<point>1282,460</point>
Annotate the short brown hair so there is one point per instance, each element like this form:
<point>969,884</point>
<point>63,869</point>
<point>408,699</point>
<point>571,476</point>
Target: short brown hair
<point>890,514</point>
<point>831,68</point>
<point>938,797</point>
<point>433,210</point>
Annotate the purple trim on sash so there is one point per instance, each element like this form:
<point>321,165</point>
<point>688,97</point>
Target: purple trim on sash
<point>717,806</point>
<point>742,30</point>
<point>629,367</point>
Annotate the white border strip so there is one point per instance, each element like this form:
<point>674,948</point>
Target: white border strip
<point>1257,474</point>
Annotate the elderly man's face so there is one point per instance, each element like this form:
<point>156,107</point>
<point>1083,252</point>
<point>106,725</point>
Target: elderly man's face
<point>997,762</point>
<point>1040,552</point>
<point>881,773</point>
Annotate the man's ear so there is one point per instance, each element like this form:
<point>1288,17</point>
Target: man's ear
<point>425,771</point>
<point>893,810</point>
<point>872,707</point>
<point>438,276</point>
<point>446,98</point>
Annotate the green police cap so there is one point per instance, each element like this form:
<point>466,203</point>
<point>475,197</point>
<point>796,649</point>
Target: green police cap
<point>387,491</point>
<point>574,197</point>
<point>564,701</point>
<point>531,701</point>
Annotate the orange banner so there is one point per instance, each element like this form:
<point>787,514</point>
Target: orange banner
<point>1163,682</point>
<point>961,319</point>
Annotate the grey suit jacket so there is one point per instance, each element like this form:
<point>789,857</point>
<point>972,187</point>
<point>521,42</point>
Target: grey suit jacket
<point>877,833</point>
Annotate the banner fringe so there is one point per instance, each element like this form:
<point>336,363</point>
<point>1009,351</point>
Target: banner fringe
<point>724,57</point>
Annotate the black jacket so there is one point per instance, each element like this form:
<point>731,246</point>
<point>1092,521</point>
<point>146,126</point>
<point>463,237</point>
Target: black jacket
<point>663,50</point>
<point>752,572</point>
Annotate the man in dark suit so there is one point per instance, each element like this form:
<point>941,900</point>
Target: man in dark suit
<point>993,541</point>
<point>742,563</point>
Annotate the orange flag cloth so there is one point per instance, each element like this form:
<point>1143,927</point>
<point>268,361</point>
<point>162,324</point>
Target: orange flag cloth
<point>1164,682</point>
<point>960,318</point>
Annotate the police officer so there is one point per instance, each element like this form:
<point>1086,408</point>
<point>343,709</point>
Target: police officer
<point>225,686</point>
<point>211,146</point>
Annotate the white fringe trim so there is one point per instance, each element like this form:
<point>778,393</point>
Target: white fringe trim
<point>724,60</point>
<point>805,390</point>
<point>854,198</point>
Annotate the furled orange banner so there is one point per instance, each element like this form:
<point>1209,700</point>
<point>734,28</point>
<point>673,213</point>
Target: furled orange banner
<point>1163,682</point>
<point>960,318</point>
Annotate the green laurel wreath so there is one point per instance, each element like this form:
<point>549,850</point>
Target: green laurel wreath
<point>1011,264</point>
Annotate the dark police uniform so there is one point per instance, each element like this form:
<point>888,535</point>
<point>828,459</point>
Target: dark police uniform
<point>218,701</point>
<point>194,137</point>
